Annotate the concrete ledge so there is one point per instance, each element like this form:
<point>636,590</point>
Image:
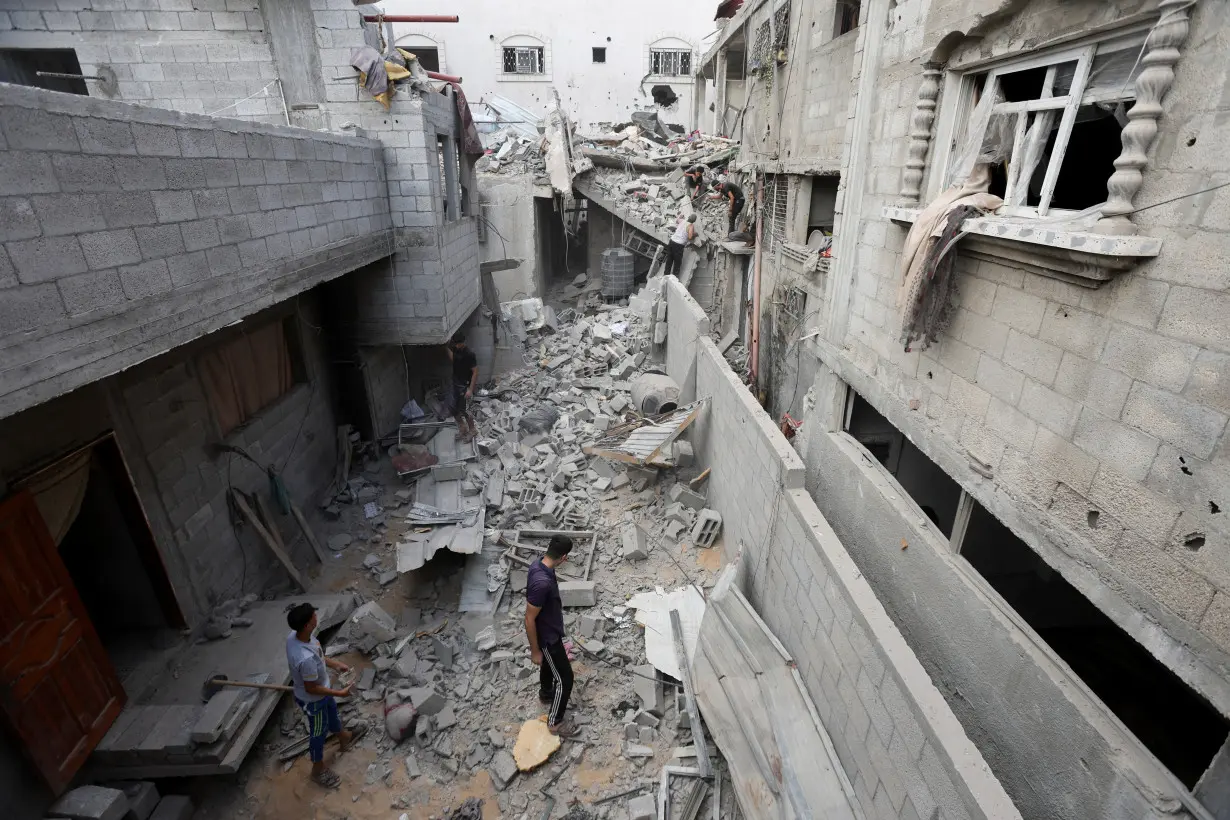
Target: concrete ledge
<point>61,359</point>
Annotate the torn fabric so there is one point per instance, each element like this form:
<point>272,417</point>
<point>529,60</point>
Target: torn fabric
<point>471,145</point>
<point>372,74</point>
<point>926,316</point>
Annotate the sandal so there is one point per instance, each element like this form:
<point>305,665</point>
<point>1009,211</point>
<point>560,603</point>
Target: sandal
<point>565,729</point>
<point>357,732</point>
<point>327,778</point>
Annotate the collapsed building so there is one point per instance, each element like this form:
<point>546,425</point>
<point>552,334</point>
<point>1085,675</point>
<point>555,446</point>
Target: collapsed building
<point>951,409</point>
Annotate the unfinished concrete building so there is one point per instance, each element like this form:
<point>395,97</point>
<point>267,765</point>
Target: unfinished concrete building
<point>217,249</point>
<point>1035,483</point>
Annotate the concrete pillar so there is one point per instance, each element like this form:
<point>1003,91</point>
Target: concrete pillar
<point>719,106</point>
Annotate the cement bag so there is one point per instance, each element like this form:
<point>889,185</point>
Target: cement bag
<point>399,720</point>
<point>539,420</point>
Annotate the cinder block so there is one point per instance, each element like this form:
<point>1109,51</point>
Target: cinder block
<point>578,593</point>
<point>110,249</point>
<point>706,529</point>
<point>648,690</point>
<point>91,803</point>
<point>427,701</point>
<point>635,542</point>
<point>142,798</point>
<point>680,494</point>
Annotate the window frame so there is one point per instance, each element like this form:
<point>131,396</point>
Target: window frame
<point>300,373</point>
<point>681,55</point>
<point>960,83</point>
<point>596,52</point>
<point>540,58</point>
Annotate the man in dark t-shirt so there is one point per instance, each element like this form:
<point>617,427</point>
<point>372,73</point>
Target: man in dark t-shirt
<point>733,195</point>
<point>465,377</point>
<point>544,626</point>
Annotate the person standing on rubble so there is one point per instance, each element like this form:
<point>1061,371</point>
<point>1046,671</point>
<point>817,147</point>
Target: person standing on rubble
<point>733,194</point>
<point>544,626</point>
<point>685,232</point>
<point>694,180</point>
<point>309,671</point>
<point>465,377</point>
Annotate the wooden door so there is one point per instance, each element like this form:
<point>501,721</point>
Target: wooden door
<point>58,690</point>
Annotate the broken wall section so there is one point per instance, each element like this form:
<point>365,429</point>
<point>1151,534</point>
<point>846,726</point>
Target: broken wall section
<point>898,741</point>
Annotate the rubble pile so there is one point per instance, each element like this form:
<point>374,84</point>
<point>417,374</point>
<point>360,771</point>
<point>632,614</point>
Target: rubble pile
<point>510,152</point>
<point>448,687</point>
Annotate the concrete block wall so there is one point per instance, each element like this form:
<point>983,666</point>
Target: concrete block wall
<point>1110,403</point>
<point>688,324</point>
<point>508,203</point>
<point>129,230</point>
<point>901,746</point>
<point>196,56</point>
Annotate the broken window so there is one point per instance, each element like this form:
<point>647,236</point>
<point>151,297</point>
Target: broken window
<point>736,60</point>
<point>243,376</point>
<point>429,58</point>
<point>670,62</point>
<point>450,176</point>
<point>599,55</point>
<point>936,494</point>
<point>524,60</point>
<point>1169,718</point>
<point>822,211</point>
<point>22,66</point>
<point>1050,126</point>
<point>847,12</point>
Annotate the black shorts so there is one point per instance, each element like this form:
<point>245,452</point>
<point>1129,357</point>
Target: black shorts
<point>460,403</point>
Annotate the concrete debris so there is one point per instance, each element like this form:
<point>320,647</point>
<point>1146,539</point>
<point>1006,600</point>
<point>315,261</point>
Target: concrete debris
<point>91,803</point>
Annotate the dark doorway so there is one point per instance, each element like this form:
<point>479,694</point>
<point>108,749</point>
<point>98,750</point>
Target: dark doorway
<point>1168,717</point>
<point>922,479</point>
<point>111,556</point>
<point>338,306</point>
<point>553,242</point>
<point>429,58</point>
<point>20,66</point>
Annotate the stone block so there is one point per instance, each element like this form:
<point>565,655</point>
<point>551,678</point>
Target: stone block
<point>635,542</point>
<point>706,529</point>
<point>446,718</point>
<point>503,769</point>
<point>643,808</point>
<point>427,701</point>
<point>173,807</point>
<point>593,626</point>
<point>373,621</point>
<point>648,689</point>
<point>218,710</point>
<point>635,750</point>
<point>448,472</point>
<point>142,798</point>
<point>680,494</point>
<point>91,803</point>
<point>578,593</point>
<point>684,456</point>
<point>412,767</point>
<point>647,735</point>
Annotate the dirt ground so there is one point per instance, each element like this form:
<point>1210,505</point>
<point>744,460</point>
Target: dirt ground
<point>499,696</point>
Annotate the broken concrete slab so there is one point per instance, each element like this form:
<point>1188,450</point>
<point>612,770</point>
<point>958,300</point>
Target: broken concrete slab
<point>593,626</point>
<point>578,593</point>
<point>503,769</point>
<point>643,808</point>
<point>91,803</point>
<point>446,718</point>
<point>412,767</point>
<point>427,701</point>
<point>648,689</point>
<point>635,750</point>
<point>680,494</point>
<point>444,652</point>
<point>215,715</point>
<point>374,622</point>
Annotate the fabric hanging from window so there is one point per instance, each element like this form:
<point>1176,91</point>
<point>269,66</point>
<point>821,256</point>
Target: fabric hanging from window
<point>243,376</point>
<point>59,490</point>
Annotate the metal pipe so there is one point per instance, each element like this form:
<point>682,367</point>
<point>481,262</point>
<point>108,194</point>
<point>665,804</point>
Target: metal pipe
<point>756,280</point>
<point>411,18</point>
<point>448,78</point>
<point>62,76</point>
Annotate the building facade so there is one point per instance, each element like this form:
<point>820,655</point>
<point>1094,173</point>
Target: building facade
<point>604,61</point>
<point>217,250</point>
<point>1037,497</point>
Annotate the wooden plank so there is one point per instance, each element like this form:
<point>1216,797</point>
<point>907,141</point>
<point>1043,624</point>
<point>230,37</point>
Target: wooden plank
<point>268,520</point>
<point>593,548</point>
<point>307,532</point>
<point>246,509</point>
<point>689,694</point>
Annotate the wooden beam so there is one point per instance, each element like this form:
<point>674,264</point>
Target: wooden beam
<point>282,557</point>
<point>498,265</point>
<point>307,532</point>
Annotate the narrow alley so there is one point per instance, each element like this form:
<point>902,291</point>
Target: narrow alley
<point>769,409</point>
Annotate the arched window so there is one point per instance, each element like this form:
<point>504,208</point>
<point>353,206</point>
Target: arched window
<point>430,52</point>
<point>670,57</point>
<point>523,56</point>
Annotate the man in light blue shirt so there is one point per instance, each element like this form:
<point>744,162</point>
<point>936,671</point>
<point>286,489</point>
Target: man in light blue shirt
<point>309,671</point>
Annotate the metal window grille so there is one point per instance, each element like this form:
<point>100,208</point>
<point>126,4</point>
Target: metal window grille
<point>524,60</point>
<point>670,62</point>
<point>776,197</point>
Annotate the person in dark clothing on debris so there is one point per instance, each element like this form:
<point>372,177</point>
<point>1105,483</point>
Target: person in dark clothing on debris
<point>544,626</point>
<point>733,194</point>
<point>694,179</point>
<point>685,232</point>
<point>465,377</point>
